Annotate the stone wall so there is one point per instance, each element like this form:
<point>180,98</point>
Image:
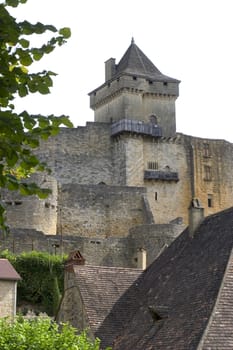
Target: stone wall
<point>213,181</point>
<point>7,298</point>
<point>72,309</point>
<point>30,212</point>
<point>100,210</point>
<point>81,155</point>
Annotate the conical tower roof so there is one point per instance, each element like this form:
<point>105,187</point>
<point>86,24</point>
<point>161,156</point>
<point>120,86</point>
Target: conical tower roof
<point>135,62</point>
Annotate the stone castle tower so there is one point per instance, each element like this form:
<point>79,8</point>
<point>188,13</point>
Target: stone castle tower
<point>123,183</point>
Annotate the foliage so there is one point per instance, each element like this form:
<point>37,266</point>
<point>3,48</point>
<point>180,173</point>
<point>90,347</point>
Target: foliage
<point>21,132</point>
<point>42,334</point>
<point>42,279</point>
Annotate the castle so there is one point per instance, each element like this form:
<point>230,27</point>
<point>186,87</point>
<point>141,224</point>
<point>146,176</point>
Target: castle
<point>122,185</point>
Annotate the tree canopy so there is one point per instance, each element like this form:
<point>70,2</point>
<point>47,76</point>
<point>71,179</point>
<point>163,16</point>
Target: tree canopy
<point>20,133</point>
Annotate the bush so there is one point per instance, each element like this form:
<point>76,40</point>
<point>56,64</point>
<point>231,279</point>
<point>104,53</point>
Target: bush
<point>43,334</point>
<point>42,279</point>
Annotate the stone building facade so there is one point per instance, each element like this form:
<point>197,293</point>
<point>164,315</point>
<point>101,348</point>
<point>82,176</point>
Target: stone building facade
<point>128,171</point>
<point>8,289</point>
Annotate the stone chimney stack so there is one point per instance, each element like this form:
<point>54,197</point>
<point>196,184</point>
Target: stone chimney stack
<point>196,215</point>
<point>75,258</point>
<point>110,68</point>
<point>141,259</point>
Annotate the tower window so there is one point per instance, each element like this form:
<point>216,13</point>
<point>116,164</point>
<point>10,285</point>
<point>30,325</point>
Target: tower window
<point>156,196</point>
<point>210,201</point>
<point>206,150</point>
<point>207,170</point>
<point>152,165</point>
<point>153,119</point>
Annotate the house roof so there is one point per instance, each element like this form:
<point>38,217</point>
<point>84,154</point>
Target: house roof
<point>135,62</point>
<point>7,271</point>
<point>101,288</point>
<point>185,298</point>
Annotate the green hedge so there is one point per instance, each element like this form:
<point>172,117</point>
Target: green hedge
<point>42,279</point>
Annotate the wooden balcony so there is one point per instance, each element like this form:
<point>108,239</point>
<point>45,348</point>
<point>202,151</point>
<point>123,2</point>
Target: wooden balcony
<point>161,175</point>
<point>135,127</point>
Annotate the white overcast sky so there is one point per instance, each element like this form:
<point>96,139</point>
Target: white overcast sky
<point>190,40</point>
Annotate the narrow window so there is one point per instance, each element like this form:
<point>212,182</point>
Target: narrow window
<point>156,196</point>
<point>206,150</point>
<point>210,201</point>
<point>152,165</point>
<point>207,170</point>
<point>153,119</point>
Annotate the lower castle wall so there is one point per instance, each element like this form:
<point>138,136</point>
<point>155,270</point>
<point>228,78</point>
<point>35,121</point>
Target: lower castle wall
<point>99,211</point>
<point>111,251</point>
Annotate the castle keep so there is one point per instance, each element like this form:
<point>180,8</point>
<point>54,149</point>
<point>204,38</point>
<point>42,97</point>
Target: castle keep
<point>124,182</point>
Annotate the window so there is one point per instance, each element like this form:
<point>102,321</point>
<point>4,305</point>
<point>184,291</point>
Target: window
<point>164,83</point>
<point>156,196</point>
<point>206,150</point>
<point>152,165</point>
<point>134,77</point>
<point>210,200</point>
<point>153,119</point>
<point>207,171</point>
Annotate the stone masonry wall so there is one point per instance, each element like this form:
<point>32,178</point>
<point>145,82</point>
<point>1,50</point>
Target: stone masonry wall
<point>7,298</point>
<point>99,210</point>
<point>213,164</point>
<point>30,212</point>
<point>80,155</point>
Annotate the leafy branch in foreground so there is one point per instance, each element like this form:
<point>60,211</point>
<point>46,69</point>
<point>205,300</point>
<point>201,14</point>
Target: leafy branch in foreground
<point>20,133</point>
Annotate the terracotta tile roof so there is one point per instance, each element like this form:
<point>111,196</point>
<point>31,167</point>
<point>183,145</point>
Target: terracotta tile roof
<point>101,288</point>
<point>7,271</point>
<point>135,62</point>
<point>190,288</point>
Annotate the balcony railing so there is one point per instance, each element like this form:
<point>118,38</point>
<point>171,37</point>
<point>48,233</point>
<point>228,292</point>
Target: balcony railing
<point>161,175</point>
<point>136,127</point>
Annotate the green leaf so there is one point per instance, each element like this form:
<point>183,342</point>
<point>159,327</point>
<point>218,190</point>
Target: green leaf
<point>25,59</point>
<point>43,89</point>
<point>66,32</point>
<point>24,43</point>
<point>12,3</point>
<point>23,91</point>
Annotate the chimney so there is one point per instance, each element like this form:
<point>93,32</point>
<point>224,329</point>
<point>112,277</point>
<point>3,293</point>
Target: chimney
<point>110,68</point>
<point>141,259</point>
<point>196,215</point>
<point>75,258</point>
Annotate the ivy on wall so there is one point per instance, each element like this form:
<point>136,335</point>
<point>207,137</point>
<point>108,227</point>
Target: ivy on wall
<point>42,279</point>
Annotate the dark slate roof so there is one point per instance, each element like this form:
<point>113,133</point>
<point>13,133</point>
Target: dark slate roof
<point>101,287</point>
<point>185,298</point>
<point>135,62</point>
<point>7,271</point>
<point>218,334</point>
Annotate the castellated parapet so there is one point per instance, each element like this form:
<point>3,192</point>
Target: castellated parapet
<point>125,181</point>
